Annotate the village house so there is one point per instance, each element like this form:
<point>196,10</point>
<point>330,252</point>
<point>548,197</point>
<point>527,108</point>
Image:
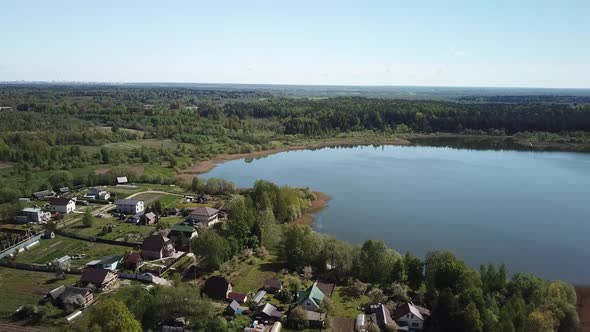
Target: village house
<point>315,320</point>
<point>129,206</point>
<point>381,316</point>
<point>156,247</point>
<point>62,205</point>
<point>149,218</point>
<point>43,194</point>
<point>259,297</point>
<point>98,193</point>
<point>411,315</point>
<point>33,215</point>
<point>69,296</point>
<point>64,190</point>
<point>217,287</point>
<point>232,309</point>
<point>268,313</point>
<point>109,263</point>
<point>238,297</point>
<point>99,278</point>
<point>273,286</point>
<point>182,235</point>
<point>311,298</point>
<point>122,180</point>
<point>132,261</point>
<point>206,216</point>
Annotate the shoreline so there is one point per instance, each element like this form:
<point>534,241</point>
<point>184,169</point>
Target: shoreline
<point>205,166</point>
<point>319,203</point>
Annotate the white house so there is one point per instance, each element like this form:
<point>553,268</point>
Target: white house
<point>204,215</point>
<point>122,180</point>
<point>32,215</point>
<point>62,205</point>
<point>411,315</point>
<point>131,206</point>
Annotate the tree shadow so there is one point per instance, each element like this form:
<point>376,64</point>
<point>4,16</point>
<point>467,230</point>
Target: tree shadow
<point>271,267</point>
<point>53,281</point>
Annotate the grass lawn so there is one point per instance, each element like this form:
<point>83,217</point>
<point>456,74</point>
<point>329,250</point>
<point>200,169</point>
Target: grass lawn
<point>250,278</point>
<point>124,192</point>
<point>345,306</point>
<point>169,200</point>
<point>48,250</point>
<point>18,287</point>
<point>122,231</point>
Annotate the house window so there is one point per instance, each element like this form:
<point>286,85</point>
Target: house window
<point>411,316</point>
<point>415,324</point>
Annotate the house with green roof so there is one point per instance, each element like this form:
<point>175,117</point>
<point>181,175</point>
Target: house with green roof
<point>182,235</point>
<point>311,298</point>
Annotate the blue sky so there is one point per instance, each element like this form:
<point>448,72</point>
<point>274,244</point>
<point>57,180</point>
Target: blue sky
<point>439,43</point>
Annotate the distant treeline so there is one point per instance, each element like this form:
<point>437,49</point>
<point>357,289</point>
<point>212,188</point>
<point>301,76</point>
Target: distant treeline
<point>528,99</point>
<point>327,116</point>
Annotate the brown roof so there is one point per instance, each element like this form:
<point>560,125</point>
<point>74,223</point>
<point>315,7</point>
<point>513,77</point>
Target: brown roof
<point>154,242</point>
<point>326,288</point>
<point>94,276</point>
<point>237,297</point>
<point>273,283</point>
<point>59,201</point>
<point>216,287</point>
<point>204,211</point>
<point>132,258</point>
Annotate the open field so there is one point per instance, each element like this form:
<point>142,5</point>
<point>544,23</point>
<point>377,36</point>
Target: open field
<point>150,143</point>
<point>18,287</point>
<point>50,249</point>
<point>121,232</point>
<point>250,277</point>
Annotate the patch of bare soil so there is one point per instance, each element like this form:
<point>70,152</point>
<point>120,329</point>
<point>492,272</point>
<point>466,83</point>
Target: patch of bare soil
<point>342,324</point>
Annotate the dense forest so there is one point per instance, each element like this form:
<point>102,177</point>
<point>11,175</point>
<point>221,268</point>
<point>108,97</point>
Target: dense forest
<point>49,128</point>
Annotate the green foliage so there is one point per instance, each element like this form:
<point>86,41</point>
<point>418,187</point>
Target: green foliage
<point>299,246</point>
<point>87,220</point>
<point>213,249</point>
<point>169,303</point>
<point>377,261</point>
<point>110,315</point>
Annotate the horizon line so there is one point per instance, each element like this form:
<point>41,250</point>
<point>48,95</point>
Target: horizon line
<point>284,84</point>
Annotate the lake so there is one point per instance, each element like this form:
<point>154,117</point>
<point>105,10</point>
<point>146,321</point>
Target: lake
<point>530,210</point>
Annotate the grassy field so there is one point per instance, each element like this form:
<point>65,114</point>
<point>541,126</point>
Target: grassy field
<point>48,250</point>
<point>345,306</point>
<point>250,277</point>
<point>18,287</point>
<point>121,232</point>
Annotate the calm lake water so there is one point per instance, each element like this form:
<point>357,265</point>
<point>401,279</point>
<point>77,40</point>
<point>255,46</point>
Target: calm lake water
<point>530,210</point>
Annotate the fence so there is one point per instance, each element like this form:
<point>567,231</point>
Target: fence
<point>20,245</point>
<point>35,267</point>
<point>97,239</point>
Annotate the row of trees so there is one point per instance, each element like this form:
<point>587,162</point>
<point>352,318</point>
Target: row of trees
<point>461,298</point>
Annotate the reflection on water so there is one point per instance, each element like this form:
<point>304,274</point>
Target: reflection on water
<point>527,209</point>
